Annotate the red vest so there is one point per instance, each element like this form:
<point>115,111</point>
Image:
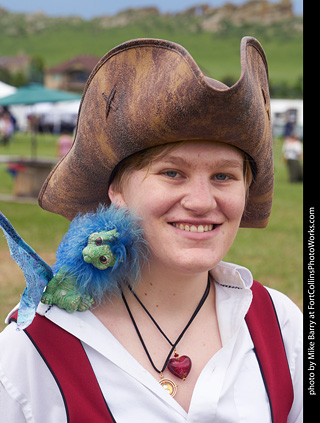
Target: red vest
<point>84,401</point>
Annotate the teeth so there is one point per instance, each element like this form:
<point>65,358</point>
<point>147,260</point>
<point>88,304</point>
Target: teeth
<point>193,228</point>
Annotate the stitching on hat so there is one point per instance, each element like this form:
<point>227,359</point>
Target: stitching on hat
<point>109,99</point>
<point>266,103</point>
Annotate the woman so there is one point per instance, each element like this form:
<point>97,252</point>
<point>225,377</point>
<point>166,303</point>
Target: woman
<point>193,159</point>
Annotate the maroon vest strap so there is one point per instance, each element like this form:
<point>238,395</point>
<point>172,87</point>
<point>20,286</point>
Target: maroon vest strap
<point>65,357</point>
<point>266,335</point>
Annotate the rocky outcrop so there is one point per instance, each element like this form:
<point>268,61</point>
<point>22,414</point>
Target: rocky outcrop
<point>253,11</point>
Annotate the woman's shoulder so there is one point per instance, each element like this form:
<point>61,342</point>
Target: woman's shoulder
<point>290,319</point>
<point>20,366</point>
<point>14,344</point>
<point>286,309</point>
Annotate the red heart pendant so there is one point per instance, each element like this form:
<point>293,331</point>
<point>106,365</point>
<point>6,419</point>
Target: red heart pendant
<point>180,366</point>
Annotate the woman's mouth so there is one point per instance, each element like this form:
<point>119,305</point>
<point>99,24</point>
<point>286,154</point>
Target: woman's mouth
<point>194,228</point>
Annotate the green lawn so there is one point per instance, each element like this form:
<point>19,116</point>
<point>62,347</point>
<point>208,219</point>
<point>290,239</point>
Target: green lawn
<point>218,54</point>
<point>274,254</point>
<point>20,146</point>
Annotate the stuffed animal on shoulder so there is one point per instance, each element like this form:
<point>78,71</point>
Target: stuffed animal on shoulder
<point>101,251</point>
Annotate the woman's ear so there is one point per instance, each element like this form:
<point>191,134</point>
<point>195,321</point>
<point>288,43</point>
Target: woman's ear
<point>116,197</point>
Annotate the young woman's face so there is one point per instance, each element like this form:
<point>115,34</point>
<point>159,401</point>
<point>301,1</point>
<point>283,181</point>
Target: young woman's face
<point>191,201</point>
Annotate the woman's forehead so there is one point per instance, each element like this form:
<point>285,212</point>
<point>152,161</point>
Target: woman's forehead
<point>192,150</point>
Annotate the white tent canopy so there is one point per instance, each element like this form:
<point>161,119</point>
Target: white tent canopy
<point>6,89</point>
<point>51,113</point>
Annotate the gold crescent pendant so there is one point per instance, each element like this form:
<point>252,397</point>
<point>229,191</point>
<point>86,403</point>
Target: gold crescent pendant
<point>169,385</point>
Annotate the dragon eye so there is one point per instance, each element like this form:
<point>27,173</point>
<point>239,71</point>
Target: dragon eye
<point>103,259</point>
<point>98,241</point>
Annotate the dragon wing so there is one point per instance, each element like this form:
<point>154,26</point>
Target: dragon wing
<point>36,271</point>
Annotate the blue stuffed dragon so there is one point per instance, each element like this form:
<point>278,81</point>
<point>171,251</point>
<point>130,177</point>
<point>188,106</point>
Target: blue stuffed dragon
<point>100,251</point>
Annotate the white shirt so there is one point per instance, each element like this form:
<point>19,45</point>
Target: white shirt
<point>292,150</point>
<point>230,388</point>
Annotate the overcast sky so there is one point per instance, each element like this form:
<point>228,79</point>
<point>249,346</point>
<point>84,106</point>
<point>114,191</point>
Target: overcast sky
<point>88,9</point>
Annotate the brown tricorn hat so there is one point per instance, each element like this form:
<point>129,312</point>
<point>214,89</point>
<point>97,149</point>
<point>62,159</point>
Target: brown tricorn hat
<point>148,92</point>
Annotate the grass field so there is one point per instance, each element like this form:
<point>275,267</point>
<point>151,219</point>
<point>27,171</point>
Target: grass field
<point>274,254</point>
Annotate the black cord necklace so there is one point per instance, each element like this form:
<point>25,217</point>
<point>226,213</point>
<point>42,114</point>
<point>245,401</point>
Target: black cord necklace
<point>180,366</point>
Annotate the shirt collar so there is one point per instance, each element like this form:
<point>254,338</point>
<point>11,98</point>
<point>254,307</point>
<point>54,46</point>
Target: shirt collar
<point>232,275</point>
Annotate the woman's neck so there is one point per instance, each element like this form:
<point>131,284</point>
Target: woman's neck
<point>167,295</point>
<point>170,291</point>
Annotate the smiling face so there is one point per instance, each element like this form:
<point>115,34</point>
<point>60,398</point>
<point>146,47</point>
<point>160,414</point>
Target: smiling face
<point>191,201</point>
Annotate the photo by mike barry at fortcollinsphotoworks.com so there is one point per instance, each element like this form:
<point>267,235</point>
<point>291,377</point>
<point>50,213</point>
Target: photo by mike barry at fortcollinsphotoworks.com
<point>310,315</point>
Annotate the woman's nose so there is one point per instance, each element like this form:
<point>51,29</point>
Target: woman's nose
<point>200,198</point>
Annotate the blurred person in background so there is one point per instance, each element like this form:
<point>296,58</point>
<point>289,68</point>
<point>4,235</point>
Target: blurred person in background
<point>6,128</point>
<point>292,150</point>
<point>64,144</point>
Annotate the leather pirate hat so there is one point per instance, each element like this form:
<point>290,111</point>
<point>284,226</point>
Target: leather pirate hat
<point>148,92</point>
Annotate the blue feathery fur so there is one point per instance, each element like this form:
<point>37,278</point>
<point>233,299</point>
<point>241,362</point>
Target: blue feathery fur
<point>130,249</point>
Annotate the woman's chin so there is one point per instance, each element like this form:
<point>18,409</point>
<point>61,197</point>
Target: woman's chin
<point>194,264</point>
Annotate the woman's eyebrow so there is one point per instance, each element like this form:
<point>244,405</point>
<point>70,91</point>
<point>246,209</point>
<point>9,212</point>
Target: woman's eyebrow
<point>175,160</point>
<point>230,163</point>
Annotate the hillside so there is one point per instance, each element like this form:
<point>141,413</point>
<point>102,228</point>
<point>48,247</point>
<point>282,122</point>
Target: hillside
<point>211,35</point>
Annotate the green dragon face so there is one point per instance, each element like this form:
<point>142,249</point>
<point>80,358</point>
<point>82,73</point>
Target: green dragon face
<point>98,251</point>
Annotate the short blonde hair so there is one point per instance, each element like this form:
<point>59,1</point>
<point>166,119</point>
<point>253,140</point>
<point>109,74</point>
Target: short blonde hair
<point>145,158</point>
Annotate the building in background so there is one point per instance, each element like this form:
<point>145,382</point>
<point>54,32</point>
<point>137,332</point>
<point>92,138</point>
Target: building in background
<point>71,75</point>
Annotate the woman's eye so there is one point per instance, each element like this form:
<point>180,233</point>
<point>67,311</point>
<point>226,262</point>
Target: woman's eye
<point>221,177</point>
<point>171,173</point>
